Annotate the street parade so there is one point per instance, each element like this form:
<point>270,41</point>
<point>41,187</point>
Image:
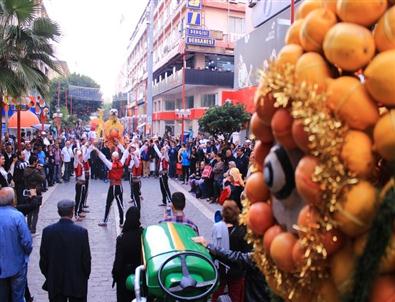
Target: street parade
<point>246,152</point>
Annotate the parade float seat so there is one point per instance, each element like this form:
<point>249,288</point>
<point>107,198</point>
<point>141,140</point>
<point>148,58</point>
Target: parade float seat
<point>175,268</point>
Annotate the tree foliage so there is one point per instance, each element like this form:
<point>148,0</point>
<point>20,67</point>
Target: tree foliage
<point>26,41</point>
<point>224,119</point>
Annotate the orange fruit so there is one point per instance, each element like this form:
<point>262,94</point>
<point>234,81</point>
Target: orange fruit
<point>256,189</point>
<point>260,130</point>
<point>270,234</point>
<point>292,35</point>
<point>384,32</point>
<point>306,7</point>
<point>264,106</point>
<point>282,128</point>
<point>380,78</point>
<point>260,152</point>
<point>329,4</point>
<point>298,252</point>
<point>348,98</point>
<point>342,267</point>
<point>312,68</point>
<point>362,12</point>
<point>300,136</point>
<point>309,190</point>
<point>349,46</point>
<point>384,136</point>
<point>281,251</point>
<point>357,209</point>
<point>308,217</point>
<point>383,289</point>
<point>357,153</point>
<point>260,218</point>
<point>289,54</point>
<point>314,28</point>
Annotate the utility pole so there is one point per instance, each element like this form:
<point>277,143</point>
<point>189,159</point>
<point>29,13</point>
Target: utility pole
<point>150,61</point>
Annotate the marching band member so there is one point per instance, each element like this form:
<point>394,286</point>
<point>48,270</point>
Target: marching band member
<point>115,190</point>
<point>80,184</point>
<point>133,164</point>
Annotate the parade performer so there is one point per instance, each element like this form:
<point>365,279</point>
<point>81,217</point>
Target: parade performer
<point>80,184</point>
<point>163,174</point>
<point>115,190</point>
<point>86,150</point>
<point>113,129</point>
<point>133,164</point>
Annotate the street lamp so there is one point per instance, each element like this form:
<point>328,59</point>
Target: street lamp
<point>183,114</point>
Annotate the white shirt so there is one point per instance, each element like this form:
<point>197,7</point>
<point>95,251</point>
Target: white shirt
<point>27,154</point>
<point>66,154</point>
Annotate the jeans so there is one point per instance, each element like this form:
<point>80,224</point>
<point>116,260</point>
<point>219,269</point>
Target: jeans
<point>185,173</point>
<point>14,287</point>
<point>172,168</point>
<point>67,171</point>
<point>32,219</point>
<point>58,172</point>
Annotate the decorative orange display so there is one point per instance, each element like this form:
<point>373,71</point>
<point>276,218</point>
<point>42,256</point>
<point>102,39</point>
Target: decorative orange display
<point>292,36</point>
<point>328,292</point>
<point>384,136</point>
<point>264,107</point>
<point>256,189</point>
<point>332,240</point>
<point>289,54</point>
<point>298,252</point>
<point>314,28</point>
<point>306,7</point>
<point>383,289</point>
<point>281,251</point>
<point>312,68</point>
<point>260,152</point>
<point>308,217</point>
<point>270,234</point>
<point>309,191</point>
<point>329,4</point>
<point>349,46</point>
<point>260,218</point>
<point>282,128</point>
<point>300,136</point>
<point>260,130</point>
<point>348,98</point>
<point>357,153</point>
<point>361,12</point>
<point>384,32</point>
<point>357,209</point>
<point>380,78</point>
<point>342,266</point>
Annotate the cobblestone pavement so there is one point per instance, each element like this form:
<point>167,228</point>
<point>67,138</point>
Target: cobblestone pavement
<point>102,240</point>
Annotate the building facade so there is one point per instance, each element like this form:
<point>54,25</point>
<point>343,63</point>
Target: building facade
<point>193,61</point>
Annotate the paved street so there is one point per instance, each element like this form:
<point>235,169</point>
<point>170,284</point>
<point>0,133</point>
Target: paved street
<point>102,240</point>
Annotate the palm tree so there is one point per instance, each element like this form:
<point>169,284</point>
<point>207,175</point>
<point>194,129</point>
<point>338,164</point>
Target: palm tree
<point>25,43</point>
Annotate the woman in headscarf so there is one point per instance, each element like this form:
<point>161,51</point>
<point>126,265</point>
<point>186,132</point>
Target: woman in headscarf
<point>127,254</point>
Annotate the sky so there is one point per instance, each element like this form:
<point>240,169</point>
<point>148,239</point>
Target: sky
<point>95,34</point>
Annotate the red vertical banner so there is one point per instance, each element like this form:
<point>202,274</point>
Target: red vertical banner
<point>292,11</point>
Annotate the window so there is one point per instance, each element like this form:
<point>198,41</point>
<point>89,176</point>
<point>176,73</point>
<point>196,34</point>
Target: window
<point>236,25</point>
<point>170,105</point>
<point>190,102</point>
<point>209,100</point>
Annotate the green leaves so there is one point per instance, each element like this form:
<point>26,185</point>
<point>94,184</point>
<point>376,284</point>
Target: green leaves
<point>224,119</point>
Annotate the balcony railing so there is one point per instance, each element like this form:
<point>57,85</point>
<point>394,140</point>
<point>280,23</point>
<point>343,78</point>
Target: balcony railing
<point>201,77</point>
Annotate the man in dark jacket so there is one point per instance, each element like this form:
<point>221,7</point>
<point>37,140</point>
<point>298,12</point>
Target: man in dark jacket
<point>242,161</point>
<point>34,177</point>
<point>255,283</point>
<point>65,257</point>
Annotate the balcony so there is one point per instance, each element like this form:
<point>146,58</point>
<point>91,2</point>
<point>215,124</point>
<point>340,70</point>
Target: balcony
<point>198,77</point>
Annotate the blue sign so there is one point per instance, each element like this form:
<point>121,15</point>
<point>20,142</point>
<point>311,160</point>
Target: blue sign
<point>194,18</point>
<point>209,42</point>
<point>198,32</point>
<point>195,4</point>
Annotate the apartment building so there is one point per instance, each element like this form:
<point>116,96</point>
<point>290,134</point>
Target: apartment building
<point>199,35</point>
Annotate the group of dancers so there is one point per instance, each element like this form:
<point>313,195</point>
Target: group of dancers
<point>121,156</point>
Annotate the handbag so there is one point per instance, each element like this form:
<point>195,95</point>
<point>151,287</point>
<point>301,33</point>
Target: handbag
<point>207,171</point>
<point>225,194</point>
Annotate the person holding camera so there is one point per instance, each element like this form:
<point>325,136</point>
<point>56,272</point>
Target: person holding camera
<point>34,178</point>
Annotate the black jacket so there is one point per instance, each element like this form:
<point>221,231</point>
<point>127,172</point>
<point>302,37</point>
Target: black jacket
<point>255,283</point>
<point>242,164</point>
<point>65,259</point>
<point>33,177</point>
<point>127,259</point>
